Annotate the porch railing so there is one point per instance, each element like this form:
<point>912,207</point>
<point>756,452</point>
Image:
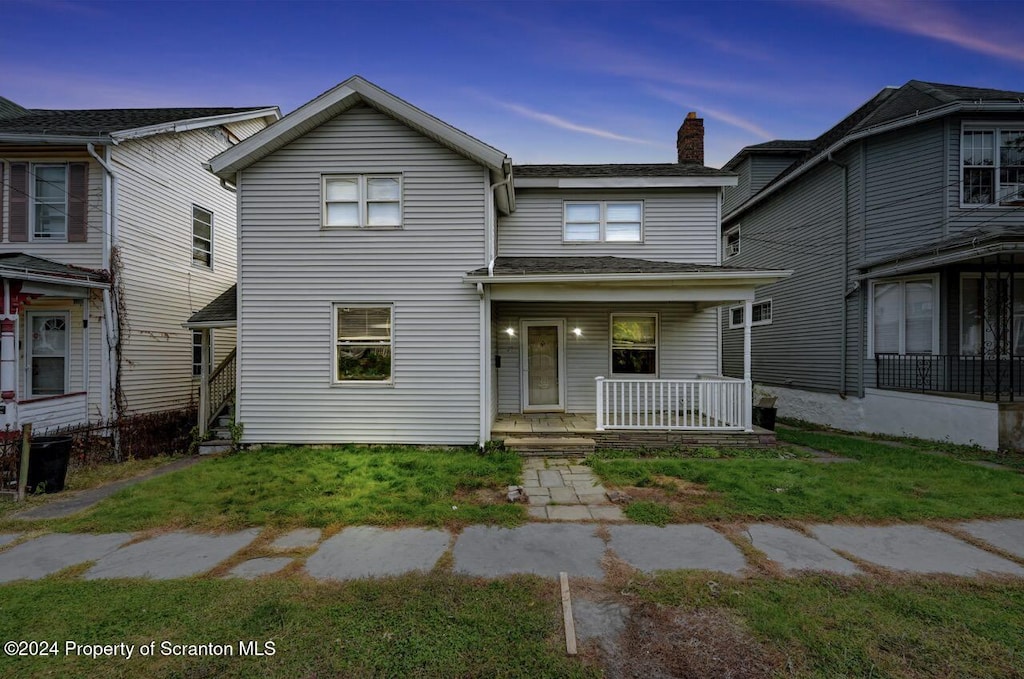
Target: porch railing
<point>712,403</point>
<point>997,378</point>
<point>222,387</point>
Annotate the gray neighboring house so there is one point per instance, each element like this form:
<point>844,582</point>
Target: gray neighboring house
<point>904,224</point>
<point>402,282</point>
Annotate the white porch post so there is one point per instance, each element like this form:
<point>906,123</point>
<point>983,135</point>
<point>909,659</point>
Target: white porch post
<point>599,381</point>
<point>204,382</point>
<point>8,361</point>
<point>748,391</point>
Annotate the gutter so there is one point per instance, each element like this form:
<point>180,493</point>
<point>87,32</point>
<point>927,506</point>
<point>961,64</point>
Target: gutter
<point>109,379</point>
<point>54,139</point>
<point>194,124</point>
<point>917,264</point>
<point>689,276</point>
<point>55,280</point>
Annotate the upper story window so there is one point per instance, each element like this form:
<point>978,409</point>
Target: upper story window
<point>731,242</point>
<point>603,221</point>
<point>362,201</point>
<point>202,236</point>
<point>760,314</point>
<point>50,202</point>
<point>362,343</point>
<point>634,344</point>
<point>992,165</point>
<point>904,316</point>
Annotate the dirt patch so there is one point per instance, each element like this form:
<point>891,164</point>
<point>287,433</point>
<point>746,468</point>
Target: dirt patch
<point>480,497</point>
<point>678,486</point>
<point>666,643</point>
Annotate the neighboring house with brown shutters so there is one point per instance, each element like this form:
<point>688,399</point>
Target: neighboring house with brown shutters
<point>401,281</point>
<point>112,232</point>
<point>904,225</point>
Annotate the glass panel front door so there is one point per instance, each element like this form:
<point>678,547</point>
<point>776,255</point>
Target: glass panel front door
<point>542,374</point>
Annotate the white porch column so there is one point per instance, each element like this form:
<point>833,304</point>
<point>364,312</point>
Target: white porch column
<point>8,362</point>
<point>748,391</point>
<point>599,381</point>
<point>204,382</point>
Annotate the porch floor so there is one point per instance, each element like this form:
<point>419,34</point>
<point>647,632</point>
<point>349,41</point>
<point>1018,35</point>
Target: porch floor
<point>567,424</point>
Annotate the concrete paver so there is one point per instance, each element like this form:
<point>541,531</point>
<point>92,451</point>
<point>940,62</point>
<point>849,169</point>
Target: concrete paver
<point>297,539</point>
<point>50,553</point>
<point>569,513</point>
<point>607,513</point>
<point>254,568</point>
<point>913,548</point>
<point>692,547</point>
<point>549,478</point>
<point>797,552</point>
<point>173,555</point>
<point>364,551</point>
<point>7,538</point>
<point>541,548</point>
<point>1007,535</point>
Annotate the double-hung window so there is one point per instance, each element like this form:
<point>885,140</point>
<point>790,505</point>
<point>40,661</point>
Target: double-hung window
<point>992,165</point>
<point>634,344</point>
<point>904,316</point>
<point>602,221</point>
<point>202,236</point>
<point>362,201</point>
<point>48,353</point>
<point>50,202</point>
<point>362,343</point>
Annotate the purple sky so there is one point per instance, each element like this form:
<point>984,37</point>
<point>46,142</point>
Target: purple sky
<point>545,82</point>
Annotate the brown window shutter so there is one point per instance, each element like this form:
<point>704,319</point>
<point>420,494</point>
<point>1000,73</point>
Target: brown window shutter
<point>17,229</point>
<point>78,200</point>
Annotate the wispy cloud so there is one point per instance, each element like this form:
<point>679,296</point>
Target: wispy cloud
<point>939,21</point>
<point>722,115</point>
<point>564,124</point>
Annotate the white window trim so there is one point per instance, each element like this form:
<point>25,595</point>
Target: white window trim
<point>995,127</point>
<point>603,219</point>
<point>335,382</point>
<point>753,324</point>
<point>657,345</point>
<point>934,278</point>
<point>29,382</point>
<point>32,237</point>
<point>196,262</point>
<point>725,242</point>
<point>198,333</point>
<point>362,201</point>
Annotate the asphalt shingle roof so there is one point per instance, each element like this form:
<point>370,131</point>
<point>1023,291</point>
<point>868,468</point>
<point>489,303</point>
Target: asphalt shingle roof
<point>99,122</point>
<point>546,266</point>
<point>619,170</point>
<point>12,263</point>
<point>224,308</point>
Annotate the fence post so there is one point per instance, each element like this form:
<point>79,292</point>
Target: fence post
<point>600,402</point>
<point>26,447</point>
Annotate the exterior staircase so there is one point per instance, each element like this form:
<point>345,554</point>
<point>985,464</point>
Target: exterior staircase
<point>220,433</point>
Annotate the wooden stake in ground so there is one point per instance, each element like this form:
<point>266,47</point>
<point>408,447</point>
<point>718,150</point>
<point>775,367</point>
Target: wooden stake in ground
<point>570,626</point>
<point>26,447</point>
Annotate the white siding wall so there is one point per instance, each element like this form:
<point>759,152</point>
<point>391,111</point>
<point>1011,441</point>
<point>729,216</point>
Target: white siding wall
<point>292,272</point>
<point>687,345</point>
<point>160,179</point>
<point>679,226</point>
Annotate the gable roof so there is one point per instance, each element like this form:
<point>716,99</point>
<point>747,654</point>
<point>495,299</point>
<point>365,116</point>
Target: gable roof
<point>221,312</point>
<point>18,124</point>
<point>776,147</point>
<point>891,108</point>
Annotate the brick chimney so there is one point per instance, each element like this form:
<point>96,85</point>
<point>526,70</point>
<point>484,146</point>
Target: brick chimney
<point>690,139</point>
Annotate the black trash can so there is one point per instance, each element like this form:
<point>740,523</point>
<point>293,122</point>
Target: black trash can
<point>48,463</point>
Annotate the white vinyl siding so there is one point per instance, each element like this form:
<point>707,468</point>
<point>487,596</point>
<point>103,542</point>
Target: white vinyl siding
<point>362,201</point>
<point>294,272</point>
<point>904,316</point>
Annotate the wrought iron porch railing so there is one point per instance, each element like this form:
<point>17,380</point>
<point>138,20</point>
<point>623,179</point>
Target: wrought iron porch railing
<point>999,378</point>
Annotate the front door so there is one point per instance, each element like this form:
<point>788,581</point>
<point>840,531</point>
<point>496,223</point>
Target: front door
<point>543,365</point>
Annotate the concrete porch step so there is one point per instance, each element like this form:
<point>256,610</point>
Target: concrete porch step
<point>546,446</point>
<point>214,446</point>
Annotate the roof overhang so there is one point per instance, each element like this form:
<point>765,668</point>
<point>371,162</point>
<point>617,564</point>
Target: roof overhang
<point>931,261</point>
<point>50,279</point>
<point>271,113</point>
<point>625,182</point>
<point>64,140</point>
<point>932,114</point>
<point>210,325</point>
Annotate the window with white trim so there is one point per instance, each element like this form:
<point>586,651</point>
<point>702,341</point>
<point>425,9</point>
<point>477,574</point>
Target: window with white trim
<point>202,236</point>
<point>905,316</point>
<point>731,242</point>
<point>362,343</point>
<point>50,202</point>
<point>992,165</point>
<point>634,344</point>
<point>760,314</point>
<point>197,354</point>
<point>362,201</point>
<point>48,343</point>
<point>602,221</point>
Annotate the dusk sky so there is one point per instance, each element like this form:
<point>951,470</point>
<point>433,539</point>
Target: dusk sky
<point>573,82</point>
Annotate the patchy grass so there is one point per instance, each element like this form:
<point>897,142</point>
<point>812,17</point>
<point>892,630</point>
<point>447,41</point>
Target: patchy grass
<point>704,453</point>
<point>862,627</point>
<point>887,483</point>
<point>303,486</point>
<point>644,511</point>
<point>435,625</point>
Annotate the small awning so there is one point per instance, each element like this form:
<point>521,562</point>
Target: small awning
<point>966,245</point>
<point>45,276</point>
<point>220,313</point>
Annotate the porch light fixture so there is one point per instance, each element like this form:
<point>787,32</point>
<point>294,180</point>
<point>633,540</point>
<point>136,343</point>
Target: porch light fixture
<point>578,331</point>
<point>510,331</point>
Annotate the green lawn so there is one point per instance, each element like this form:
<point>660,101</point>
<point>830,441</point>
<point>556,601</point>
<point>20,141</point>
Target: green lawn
<point>315,486</point>
<point>886,483</point>
<point>435,625</point>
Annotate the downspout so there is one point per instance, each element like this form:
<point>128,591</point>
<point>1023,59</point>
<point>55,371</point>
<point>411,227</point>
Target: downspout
<point>490,254</point>
<point>109,376</point>
<point>845,272</point>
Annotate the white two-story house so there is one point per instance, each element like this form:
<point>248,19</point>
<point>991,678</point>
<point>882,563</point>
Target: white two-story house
<point>112,231</point>
<point>401,281</point>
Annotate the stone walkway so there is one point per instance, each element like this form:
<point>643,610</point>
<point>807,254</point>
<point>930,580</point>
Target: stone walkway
<point>564,489</point>
<point>965,549</point>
